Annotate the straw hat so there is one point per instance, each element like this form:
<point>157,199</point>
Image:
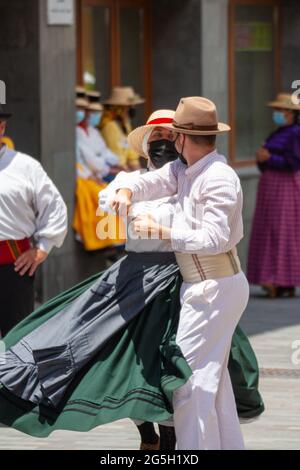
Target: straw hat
<point>94,101</point>
<point>160,118</point>
<point>124,96</point>
<point>284,101</point>
<point>93,94</point>
<point>197,116</point>
<point>80,90</point>
<point>81,100</point>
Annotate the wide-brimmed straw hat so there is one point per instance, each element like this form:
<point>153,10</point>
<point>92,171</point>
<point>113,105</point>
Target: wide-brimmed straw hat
<point>4,115</point>
<point>81,100</point>
<point>196,115</point>
<point>124,96</point>
<point>284,101</point>
<point>94,101</point>
<point>160,118</point>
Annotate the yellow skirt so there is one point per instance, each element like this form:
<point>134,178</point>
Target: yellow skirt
<point>96,229</point>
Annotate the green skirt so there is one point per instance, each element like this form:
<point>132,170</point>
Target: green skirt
<point>133,376</point>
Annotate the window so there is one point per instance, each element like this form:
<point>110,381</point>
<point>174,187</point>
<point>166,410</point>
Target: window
<point>113,47</point>
<point>253,74</point>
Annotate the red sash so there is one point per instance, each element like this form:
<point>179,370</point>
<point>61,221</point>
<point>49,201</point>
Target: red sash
<point>10,250</point>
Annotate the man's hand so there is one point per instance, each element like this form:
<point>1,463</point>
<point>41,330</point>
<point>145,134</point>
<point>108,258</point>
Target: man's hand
<point>146,227</point>
<point>262,154</point>
<point>122,201</point>
<point>29,261</point>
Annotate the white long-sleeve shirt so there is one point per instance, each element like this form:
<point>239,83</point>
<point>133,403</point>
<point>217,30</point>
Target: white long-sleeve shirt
<point>208,215</point>
<point>94,158</point>
<point>30,204</point>
<point>161,209</point>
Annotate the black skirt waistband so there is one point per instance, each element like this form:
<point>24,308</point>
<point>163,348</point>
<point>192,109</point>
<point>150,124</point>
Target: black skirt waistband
<point>161,257</point>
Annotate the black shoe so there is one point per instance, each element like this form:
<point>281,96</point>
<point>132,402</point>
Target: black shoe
<point>167,437</point>
<point>286,291</point>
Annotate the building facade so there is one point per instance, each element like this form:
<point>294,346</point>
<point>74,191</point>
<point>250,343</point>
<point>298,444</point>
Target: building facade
<point>238,53</point>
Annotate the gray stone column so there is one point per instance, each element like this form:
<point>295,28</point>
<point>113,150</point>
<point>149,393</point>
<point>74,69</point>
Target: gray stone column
<point>57,72</point>
<point>175,51</point>
<point>19,69</point>
<point>214,55</point>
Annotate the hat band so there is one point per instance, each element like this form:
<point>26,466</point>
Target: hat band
<point>160,121</point>
<point>194,127</point>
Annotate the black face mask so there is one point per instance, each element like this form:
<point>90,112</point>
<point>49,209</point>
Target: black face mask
<point>180,155</point>
<point>132,113</point>
<point>181,158</point>
<point>162,152</point>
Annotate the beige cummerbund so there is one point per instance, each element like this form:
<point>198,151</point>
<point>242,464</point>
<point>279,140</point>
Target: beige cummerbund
<point>196,268</point>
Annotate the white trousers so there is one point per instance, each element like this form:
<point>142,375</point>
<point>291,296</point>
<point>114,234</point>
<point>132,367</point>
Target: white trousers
<point>205,414</point>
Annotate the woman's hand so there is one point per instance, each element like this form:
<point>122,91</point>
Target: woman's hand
<point>121,203</point>
<point>262,154</point>
<point>146,227</point>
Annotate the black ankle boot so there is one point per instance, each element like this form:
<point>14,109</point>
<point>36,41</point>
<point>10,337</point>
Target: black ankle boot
<point>167,437</point>
<point>149,438</point>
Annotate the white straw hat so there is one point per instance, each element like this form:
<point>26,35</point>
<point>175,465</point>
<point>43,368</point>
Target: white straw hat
<point>160,118</point>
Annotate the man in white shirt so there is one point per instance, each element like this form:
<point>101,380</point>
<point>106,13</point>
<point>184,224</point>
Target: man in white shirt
<point>33,219</point>
<point>206,228</point>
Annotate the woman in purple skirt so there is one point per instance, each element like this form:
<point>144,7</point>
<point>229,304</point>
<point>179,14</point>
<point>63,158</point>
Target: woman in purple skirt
<point>274,253</point>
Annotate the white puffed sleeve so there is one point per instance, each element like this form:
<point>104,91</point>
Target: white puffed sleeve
<point>51,212</point>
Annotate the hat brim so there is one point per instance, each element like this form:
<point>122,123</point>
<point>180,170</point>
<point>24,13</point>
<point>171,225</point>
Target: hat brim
<point>120,103</point>
<point>5,116</point>
<point>95,107</point>
<point>81,103</point>
<point>279,104</point>
<point>136,137</point>
<point>222,128</point>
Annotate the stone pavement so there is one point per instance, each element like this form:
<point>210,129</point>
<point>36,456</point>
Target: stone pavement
<point>273,326</point>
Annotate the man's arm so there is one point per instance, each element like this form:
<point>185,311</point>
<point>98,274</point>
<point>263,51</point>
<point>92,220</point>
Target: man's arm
<point>107,195</point>
<point>222,210</point>
<point>222,207</point>
<point>154,184</point>
<point>51,223</point>
<point>52,217</point>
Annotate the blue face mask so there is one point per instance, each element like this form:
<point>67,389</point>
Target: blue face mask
<point>80,116</point>
<point>279,118</point>
<point>95,119</point>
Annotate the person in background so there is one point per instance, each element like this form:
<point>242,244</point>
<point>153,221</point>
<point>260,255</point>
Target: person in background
<point>92,167</point>
<point>8,142</point>
<point>33,219</point>
<point>274,255</point>
<point>97,143</point>
<point>116,125</point>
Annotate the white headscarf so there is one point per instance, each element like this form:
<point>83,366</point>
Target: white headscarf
<point>145,142</point>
